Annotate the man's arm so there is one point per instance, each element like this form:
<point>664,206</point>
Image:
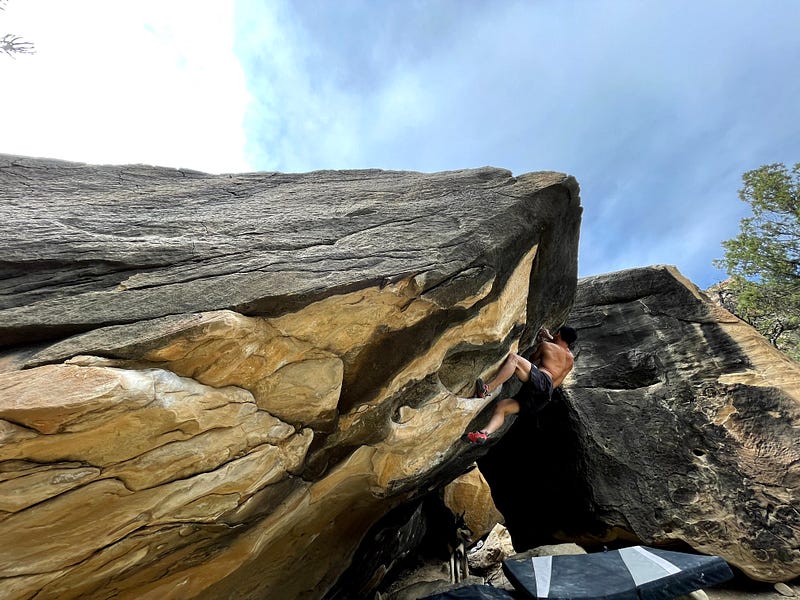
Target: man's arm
<point>541,338</point>
<point>536,357</point>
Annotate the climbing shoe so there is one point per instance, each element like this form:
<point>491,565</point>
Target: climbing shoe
<point>482,389</point>
<point>477,437</point>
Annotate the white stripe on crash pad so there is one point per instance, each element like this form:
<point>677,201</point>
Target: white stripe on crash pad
<point>542,567</point>
<point>645,566</point>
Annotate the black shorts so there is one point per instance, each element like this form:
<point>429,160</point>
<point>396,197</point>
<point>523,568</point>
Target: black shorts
<point>535,393</point>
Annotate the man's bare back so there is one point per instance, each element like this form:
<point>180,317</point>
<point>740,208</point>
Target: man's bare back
<point>555,360</point>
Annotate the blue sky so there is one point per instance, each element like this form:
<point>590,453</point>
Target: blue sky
<point>656,107</point>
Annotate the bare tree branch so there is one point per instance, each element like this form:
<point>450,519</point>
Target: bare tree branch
<point>13,44</point>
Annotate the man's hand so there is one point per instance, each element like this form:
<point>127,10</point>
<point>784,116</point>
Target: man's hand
<point>544,335</point>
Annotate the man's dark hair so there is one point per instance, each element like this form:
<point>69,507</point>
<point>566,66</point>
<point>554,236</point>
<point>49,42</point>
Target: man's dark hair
<point>568,334</point>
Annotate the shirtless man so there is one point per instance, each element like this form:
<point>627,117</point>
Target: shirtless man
<point>551,363</point>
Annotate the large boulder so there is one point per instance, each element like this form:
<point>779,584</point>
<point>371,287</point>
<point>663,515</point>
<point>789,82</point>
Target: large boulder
<point>213,386</point>
<point>686,421</point>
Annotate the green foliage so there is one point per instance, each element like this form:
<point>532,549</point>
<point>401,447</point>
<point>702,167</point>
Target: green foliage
<point>764,259</point>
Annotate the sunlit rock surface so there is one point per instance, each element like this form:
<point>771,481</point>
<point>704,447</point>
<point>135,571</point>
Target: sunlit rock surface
<point>687,422</point>
<point>469,495</point>
<point>214,385</point>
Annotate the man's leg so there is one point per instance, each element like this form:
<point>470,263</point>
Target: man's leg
<point>513,365</point>
<point>507,406</point>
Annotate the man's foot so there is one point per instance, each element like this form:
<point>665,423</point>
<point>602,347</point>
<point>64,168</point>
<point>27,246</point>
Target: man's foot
<point>482,389</point>
<point>477,437</point>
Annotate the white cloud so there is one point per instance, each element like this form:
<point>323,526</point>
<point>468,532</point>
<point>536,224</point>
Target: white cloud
<point>113,82</point>
<point>656,108</point>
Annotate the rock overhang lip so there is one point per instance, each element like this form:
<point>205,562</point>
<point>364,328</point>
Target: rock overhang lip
<point>440,232</point>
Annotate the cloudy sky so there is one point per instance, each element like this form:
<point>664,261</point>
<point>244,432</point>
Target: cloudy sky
<point>656,106</point>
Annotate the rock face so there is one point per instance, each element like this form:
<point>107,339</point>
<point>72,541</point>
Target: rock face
<point>469,495</point>
<point>687,423</point>
<point>213,386</point>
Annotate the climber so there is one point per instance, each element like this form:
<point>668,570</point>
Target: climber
<point>551,362</point>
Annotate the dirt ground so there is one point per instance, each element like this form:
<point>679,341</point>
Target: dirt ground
<point>738,590</point>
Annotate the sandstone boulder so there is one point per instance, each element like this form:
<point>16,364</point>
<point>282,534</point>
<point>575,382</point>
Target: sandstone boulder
<point>215,385</point>
<point>469,495</point>
<point>686,422</point>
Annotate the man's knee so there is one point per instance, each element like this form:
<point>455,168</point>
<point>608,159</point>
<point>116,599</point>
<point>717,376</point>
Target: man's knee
<point>522,367</point>
<point>508,406</point>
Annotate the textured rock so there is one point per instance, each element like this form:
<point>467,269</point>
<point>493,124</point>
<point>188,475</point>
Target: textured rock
<point>469,495</point>
<point>86,246</point>
<point>213,386</point>
<point>551,550</point>
<point>496,548</point>
<point>687,421</point>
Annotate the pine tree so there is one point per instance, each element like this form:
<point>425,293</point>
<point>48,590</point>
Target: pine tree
<point>764,259</point>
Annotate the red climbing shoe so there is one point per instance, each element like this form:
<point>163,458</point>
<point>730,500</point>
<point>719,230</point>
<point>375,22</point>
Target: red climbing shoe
<point>482,389</point>
<point>477,437</point>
